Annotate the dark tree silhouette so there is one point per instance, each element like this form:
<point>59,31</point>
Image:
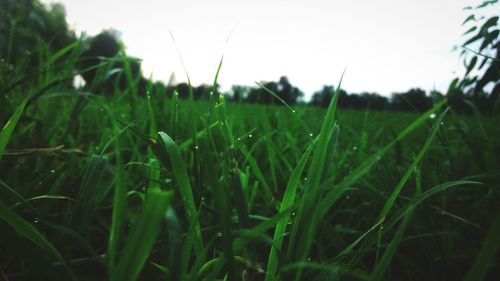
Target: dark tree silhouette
<point>413,100</point>
<point>27,26</point>
<point>239,93</point>
<point>105,67</point>
<point>283,89</point>
<point>323,97</point>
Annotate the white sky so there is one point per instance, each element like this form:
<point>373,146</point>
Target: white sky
<point>386,46</point>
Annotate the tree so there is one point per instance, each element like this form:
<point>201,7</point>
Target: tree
<point>283,89</point>
<point>323,97</point>
<point>28,26</point>
<point>105,66</point>
<point>481,54</point>
<point>413,100</point>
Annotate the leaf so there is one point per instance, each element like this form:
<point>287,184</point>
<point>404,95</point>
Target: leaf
<point>470,18</point>
<point>142,236</point>
<point>385,261</point>
<point>489,23</point>
<point>489,39</point>
<point>486,255</point>
<point>9,127</point>
<point>287,202</point>
<point>184,185</point>
<point>471,65</point>
<point>28,231</point>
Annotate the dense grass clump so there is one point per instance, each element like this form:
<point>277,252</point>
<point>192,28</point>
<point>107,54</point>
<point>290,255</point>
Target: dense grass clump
<point>122,187</point>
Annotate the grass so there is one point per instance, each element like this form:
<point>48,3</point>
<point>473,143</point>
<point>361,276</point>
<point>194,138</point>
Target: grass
<point>123,187</point>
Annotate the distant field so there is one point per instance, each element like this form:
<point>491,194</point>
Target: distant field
<point>245,192</point>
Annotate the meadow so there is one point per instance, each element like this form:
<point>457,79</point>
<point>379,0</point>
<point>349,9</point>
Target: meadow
<point>125,187</point>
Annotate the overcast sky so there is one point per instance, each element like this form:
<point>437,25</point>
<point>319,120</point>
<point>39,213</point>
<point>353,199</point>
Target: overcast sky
<point>385,45</point>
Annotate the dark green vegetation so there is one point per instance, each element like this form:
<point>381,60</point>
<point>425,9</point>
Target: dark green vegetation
<point>144,186</point>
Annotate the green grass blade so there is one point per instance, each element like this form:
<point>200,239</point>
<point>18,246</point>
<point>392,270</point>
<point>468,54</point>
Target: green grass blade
<point>142,236</point>
<point>385,261</point>
<point>119,212</point>
<point>487,254</point>
<point>9,127</point>
<point>287,202</point>
<point>88,194</point>
<point>394,195</point>
<point>334,194</point>
<point>28,231</point>
<point>303,230</point>
<point>184,185</point>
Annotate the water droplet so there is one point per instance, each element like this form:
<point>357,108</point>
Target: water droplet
<point>305,179</point>
<point>202,198</point>
<point>219,234</point>
<point>293,214</point>
<point>250,136</point>
<point>311,134</point>
<point>102,109</point>
<point>308,259</point>
<point>238,139</point>
<point>442,123</point>
<point>196,147</point>
<point>432,116</point>
<point>52,171</point>
<point>381,228</point>
<point>293,111</point>
<point>347,197</point>
<point>36,220</point>
<point>355,148</point>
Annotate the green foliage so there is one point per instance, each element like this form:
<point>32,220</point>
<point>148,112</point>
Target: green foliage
<point>482,52</point>
<point>123,187</point>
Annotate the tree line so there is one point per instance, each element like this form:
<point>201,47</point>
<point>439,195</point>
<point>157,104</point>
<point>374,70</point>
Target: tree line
<point>29,31</point>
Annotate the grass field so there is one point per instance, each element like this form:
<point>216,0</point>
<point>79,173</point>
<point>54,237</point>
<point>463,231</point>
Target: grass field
<point>123,187</point>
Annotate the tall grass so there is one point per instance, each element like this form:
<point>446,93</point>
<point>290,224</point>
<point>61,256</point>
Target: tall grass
<point>123,187</point>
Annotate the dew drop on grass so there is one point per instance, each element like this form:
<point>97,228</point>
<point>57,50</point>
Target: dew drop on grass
<point>196,147</point>
<point>308,259</point>
<point>311,134</point>
<point>305,179</point>
<point>52,171</point>
<point>293,111</point>
<point>432,116</point>
<point>250,135</point>
<point>347,197</point>
<point>36,220</point>
<point>102,109</point>
<point>355,148</point>
<point>219,234</point>
<point>202,198</point>
<point>293,214</point>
